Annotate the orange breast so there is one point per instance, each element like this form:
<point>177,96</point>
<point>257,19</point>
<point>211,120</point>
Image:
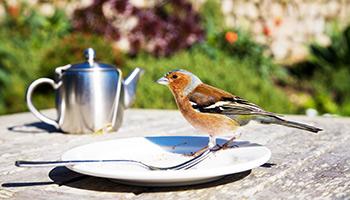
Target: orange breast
<point>213,124</point>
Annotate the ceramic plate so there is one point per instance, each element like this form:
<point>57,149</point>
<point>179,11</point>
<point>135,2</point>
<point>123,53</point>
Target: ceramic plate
<point>165,151</point>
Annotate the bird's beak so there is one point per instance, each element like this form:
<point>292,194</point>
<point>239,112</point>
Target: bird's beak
<point>163,81</point>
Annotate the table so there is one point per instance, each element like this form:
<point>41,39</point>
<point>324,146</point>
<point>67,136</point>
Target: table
<point>303,165</point>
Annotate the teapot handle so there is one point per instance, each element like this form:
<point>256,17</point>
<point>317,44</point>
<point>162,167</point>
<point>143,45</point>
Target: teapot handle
<point>30,105</point>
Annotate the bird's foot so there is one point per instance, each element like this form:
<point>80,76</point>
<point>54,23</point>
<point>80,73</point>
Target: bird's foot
<point>229,144</point>
<point>217,147</point>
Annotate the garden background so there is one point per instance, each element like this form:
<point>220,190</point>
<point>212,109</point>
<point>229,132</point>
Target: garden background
<point>286,56</point>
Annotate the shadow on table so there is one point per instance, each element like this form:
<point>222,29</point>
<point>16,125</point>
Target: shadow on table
<point>36,127</point>
<point>64,176</point>
<point>59,175</point>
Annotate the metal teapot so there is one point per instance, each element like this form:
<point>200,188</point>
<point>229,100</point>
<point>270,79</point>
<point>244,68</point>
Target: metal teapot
<point>90,96</point>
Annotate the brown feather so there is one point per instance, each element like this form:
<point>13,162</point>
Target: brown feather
<point>205,95</point>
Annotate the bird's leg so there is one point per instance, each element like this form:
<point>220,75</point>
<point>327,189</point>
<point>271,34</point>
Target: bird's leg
<point>230,141</point>
<point>212,142</point>
<point>211,145</point>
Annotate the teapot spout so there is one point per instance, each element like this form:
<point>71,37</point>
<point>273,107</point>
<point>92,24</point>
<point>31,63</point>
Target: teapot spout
<point>130,86</point>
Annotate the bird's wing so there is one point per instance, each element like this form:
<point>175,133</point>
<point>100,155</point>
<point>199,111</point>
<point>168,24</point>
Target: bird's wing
<point>208,99</point>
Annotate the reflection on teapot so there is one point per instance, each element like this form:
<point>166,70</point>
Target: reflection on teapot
<point>90,96</point>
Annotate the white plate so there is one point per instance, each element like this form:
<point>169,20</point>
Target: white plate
<point>165,151</point>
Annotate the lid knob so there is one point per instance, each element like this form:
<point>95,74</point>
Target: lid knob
<point>89,54</point>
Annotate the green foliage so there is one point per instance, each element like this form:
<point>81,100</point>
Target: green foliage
<point>24,39</point>
<point>327,72</point>
<point>333,72</point>
<point>212,17</point>
<point>233,75</point>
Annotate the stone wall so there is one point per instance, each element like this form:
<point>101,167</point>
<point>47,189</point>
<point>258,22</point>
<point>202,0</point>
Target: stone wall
<point>287,27</point>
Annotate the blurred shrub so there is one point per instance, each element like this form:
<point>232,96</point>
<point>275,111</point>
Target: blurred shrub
<point>327,71</point>
<point>333,72</point>
<point>25,36</point>
<point>167,27</point>
<point>238,44</point>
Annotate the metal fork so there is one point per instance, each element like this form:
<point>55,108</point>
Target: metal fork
<point>182,166</point>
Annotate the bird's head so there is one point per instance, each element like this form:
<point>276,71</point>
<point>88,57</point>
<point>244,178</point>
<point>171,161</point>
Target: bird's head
<point>180,81</point>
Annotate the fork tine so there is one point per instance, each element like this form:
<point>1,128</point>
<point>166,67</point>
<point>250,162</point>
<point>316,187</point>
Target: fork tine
<point>197,161</point>
<point>192,162</point>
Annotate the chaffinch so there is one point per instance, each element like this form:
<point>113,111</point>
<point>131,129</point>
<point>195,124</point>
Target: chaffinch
<point>215,111</point>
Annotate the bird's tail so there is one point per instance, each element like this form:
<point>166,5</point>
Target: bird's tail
<point>280,121</point>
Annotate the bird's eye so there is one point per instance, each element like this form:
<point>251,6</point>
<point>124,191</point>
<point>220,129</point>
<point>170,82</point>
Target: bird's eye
<point>174,76</point>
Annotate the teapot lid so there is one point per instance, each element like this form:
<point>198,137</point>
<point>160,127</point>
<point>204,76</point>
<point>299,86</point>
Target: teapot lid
<point>90,63</point>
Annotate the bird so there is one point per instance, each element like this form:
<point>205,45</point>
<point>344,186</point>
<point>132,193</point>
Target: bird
<point>217,112</point>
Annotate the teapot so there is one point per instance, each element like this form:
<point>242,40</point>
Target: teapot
<point>90,96</point>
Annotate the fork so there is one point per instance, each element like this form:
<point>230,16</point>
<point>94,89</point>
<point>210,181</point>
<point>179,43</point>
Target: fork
<point>182,166</point>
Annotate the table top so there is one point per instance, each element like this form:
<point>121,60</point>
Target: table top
<point>303,165</point>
